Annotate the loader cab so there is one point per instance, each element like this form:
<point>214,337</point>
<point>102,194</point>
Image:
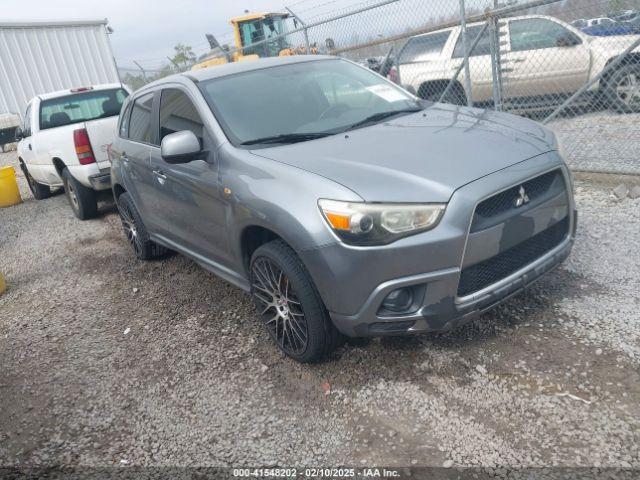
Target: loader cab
<point>254,28</point>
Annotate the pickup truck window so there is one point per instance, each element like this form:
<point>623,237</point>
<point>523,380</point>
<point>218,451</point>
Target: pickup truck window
<point>177,113</point>
<point>424,48</point>
<point>482,48</point>
<point>140,120</point>
<point>81,107</point>
<point>539,33</point>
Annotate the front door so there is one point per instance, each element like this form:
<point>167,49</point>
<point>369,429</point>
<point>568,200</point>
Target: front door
<point>190,206</point>
<point>545,59</point>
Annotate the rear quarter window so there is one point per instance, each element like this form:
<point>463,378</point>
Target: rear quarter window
<point>81,107</point>
<point>424,48</point>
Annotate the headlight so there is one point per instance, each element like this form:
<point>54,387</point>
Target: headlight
<point>378,224</point>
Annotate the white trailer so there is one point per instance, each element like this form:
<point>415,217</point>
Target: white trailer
<point>43,57</point>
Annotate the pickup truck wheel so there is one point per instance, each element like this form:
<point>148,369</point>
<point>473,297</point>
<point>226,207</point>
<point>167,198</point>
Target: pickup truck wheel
<point>289,304</point>
<point>39,191</point>
<point>623,89</point>
<point>135,231</point>
<point>82,199</point>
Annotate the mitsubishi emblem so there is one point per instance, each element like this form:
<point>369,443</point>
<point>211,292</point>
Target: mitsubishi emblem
<point>522,197</point>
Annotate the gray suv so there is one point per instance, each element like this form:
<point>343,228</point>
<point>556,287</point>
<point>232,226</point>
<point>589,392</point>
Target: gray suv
<point>345,205</point>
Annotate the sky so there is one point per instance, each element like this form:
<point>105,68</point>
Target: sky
<point>144,30</point>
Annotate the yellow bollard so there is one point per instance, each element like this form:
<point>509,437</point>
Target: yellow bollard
<point>9,193</point>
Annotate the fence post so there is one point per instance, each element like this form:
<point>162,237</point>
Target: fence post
<point>144,74</point>
<point>305,29</point>
<point>467,70</point>
<point>496,59</point>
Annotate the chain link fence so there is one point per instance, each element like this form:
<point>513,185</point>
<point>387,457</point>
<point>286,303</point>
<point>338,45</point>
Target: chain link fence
<point>572,64</point>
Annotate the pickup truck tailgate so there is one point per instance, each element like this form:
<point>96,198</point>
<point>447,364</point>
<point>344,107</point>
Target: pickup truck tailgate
<point>101,134</point>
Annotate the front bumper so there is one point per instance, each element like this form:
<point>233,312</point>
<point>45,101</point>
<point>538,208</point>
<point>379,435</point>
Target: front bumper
<point>354,281</point>
<point>441,310</point>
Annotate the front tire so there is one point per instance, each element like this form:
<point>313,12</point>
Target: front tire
<point>39,191</point>
<point>623,89</point>
<point>135,231</point>
<point>82,199</point>
<point>289,304</point>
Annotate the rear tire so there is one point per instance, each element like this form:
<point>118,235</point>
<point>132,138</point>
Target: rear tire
<point>135,231</point>
<point>289,304</point>
<point>623,89</point>
<point>39,191</point>
<point>82,200</point>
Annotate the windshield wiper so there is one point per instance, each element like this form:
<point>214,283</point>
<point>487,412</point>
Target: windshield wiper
<point>287,138</point>
<point>377,117</point>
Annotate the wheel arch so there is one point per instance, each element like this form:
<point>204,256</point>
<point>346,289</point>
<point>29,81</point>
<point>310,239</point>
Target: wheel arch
<point>254,236</point>
<point>118,190</point>
<point>632,58</point>
<point>59,165</point>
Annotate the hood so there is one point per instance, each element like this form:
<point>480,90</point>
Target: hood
<point>612,45</point>
<point>421,157</point>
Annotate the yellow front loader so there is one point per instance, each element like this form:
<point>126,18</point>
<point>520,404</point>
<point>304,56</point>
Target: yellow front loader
<point>263,29</point>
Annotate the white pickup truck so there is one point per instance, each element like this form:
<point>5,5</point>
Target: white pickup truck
<point>63,142</point>
<point>544,60</point>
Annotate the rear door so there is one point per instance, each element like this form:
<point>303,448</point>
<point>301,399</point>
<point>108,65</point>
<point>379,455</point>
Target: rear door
<point>479,62</point>
<point>138,132</point>
<point>545,58</point>
<point>190,208</point>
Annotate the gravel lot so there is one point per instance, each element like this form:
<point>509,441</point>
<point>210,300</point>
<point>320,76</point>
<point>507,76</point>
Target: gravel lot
<point>109,361</point>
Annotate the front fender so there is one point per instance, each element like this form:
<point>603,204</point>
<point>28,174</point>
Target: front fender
<point>277,197</point>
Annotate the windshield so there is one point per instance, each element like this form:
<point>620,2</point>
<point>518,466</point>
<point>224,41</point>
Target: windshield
<point>328,96</point>
<point>81,107</point>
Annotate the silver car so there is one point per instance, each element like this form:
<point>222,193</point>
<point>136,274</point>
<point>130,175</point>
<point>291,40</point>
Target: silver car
<point>343,204</point>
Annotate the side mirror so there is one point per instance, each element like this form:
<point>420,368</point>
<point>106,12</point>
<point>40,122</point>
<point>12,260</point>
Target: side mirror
<point>180,147</point>
<point>19,134</point>
<point>567,41</point>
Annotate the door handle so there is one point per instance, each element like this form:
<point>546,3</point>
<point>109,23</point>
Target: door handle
<point>30,147</point>
<point>518,60</point>
<point>161,177</point>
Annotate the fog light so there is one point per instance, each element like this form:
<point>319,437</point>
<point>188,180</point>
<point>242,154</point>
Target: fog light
<point>399,300</point>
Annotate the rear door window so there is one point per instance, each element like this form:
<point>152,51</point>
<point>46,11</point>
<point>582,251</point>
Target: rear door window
<point>81,107</point>
<point>424,48</point>
<point>140,121</point>
<point>482,48</point>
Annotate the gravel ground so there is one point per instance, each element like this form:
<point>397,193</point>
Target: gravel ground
<point>601,141</point>
<point>109,361</point>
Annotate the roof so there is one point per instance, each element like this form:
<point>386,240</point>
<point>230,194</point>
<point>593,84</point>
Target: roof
<point>62,93</point>
<point>256,16</point>
<point>247,66</point>
<point>53,23</point>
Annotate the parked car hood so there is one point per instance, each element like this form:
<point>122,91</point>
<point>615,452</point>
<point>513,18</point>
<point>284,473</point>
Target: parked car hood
<point>422,157</point>
<point>613,44</point>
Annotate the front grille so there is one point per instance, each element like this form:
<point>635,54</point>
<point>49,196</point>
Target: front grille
<point>490,211</point>
<point>494,269</point>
